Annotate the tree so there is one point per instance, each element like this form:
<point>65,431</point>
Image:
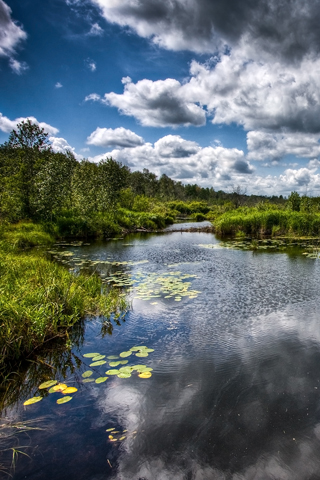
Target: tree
<point>29,136</point>
<point>294,201</point>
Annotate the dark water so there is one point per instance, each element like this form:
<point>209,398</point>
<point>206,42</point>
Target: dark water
<point>235,390</point>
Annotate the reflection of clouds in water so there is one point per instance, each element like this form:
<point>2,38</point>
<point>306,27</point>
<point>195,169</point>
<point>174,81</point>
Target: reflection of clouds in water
<point>208,420</point>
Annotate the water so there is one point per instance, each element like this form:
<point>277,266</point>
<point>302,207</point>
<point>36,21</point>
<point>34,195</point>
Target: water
<point>235,386</point>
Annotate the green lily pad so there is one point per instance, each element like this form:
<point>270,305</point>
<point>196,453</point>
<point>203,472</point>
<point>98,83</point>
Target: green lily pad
<point>48,384</point>
<point>32,400</point>
<point>124,375</point>
<point>87,374</point>
<point>96,364</point>
<point>90,355</point>
<point>63,400</point>
<point>99,357</point>
<point>101,379</point>
<point>142,354</point>
<point>145,369</point>
<point>125,354</point>
<point>148,350</point>
<point>138,367</point>
<point>123,362</point>
<point>113,372</point>
<point>113,357</point>
<point>114,364</point>
<point>126,369</point>
<point>88,380</point>
<point>110,429</point>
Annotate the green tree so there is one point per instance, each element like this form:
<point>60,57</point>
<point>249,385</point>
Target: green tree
<point>294,201</point>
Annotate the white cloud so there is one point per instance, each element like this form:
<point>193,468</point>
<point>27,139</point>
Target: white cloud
<point>94,97</point>
<point>121,137</point>
<point>185,160</point>
<point>61,145</point>
<point>157,104</point>
<point>6,125</point>
<point>91,64</point>
<point>95,30</point>
<point>18,67</point>
<point>58,85</point>
<point>274,146</point>
<point>10,33</point>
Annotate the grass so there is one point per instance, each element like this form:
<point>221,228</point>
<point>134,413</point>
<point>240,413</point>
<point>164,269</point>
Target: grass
<point>252,221</point>
<point>39,299</point>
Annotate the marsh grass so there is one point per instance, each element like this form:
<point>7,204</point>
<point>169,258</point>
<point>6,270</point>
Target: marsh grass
<point>39,299</point>
<point>252,221</point>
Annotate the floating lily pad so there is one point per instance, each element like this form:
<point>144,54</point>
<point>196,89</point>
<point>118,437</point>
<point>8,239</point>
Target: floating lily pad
<point>87,374</point>
<point>88,380</point>
<point>96,364</point>
<point>90,355</point>
<point>122,438</point>
<point>98,357</point>
<point>125,354</point>
<point>110,429</point>
<point>32,400</point>
<point>124,375</point>
<point>114,364</point>
<point>145,375</point>
<point>48,384</point>
<point>123,362</point>
<point>60,387</point>
<point>113,372</point>
<point>148,350</point>
<point>142,354</point>
<point>64,400</point>
<point>145,369</point>
<point>126,369</point>
<point>113,357</point>
<point>69,390</point>
<point>101,379</point>
<point>138,367</point>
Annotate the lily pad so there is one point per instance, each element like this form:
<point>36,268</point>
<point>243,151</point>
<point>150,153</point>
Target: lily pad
<point>110,429</point>
<point>69,390</point>
<point>48,384</point>
<point>124,375</point>
<point>145,375</point>
<point>101,379</point>
<point>113,357</point>
<point>87,374</point>
<point>91,355</point>
<point>32,400</point>
<point>122,438</point>
<point>96,364</point>
<point>142,354</point>
<point>60,387</point>
<point>98,357</point>
<point>125,354</point>
<point>113,372</point>
<point>114,364</point>
<point>88,380</point>
<point>138,367</point>
<point>64,400</point>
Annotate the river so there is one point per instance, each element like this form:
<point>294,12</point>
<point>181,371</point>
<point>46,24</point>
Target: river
<point>233,341</point>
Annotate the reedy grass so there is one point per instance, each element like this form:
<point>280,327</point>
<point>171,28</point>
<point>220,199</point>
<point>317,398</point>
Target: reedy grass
<point>40,299</point>
<point>253,221</point>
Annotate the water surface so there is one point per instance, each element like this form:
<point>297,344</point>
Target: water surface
<point>235,386</point>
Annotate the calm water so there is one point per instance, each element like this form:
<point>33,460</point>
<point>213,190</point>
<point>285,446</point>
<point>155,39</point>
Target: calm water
<point>235,387</point>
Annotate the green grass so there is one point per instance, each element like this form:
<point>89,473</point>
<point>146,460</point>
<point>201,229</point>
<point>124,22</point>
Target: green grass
<point>252,221</point>
<point>40,299</point>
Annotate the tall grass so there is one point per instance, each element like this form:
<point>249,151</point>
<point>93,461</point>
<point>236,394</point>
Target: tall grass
<point>40,299</point>
<point>253,221</point>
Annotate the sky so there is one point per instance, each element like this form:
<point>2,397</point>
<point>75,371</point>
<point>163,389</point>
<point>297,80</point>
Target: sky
<point>224,94</point>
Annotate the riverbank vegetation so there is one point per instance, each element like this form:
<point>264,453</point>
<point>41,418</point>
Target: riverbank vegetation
<point>45,196</point>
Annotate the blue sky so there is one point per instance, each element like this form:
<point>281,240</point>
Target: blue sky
<point>222,94</point>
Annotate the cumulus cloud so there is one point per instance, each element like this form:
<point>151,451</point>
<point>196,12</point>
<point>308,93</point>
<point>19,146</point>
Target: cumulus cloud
<point>18,67</point>
<point>6,125</point>
<point>274,146</point>
<point>61,145</point>
<point>185,160</point>
<point>58,85</point>
<point>285,29</point>
<point>156,104</point>
<point>120,137</point>
<point>91,64</point>
<point>10,33</point>
<point>255,95</point>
